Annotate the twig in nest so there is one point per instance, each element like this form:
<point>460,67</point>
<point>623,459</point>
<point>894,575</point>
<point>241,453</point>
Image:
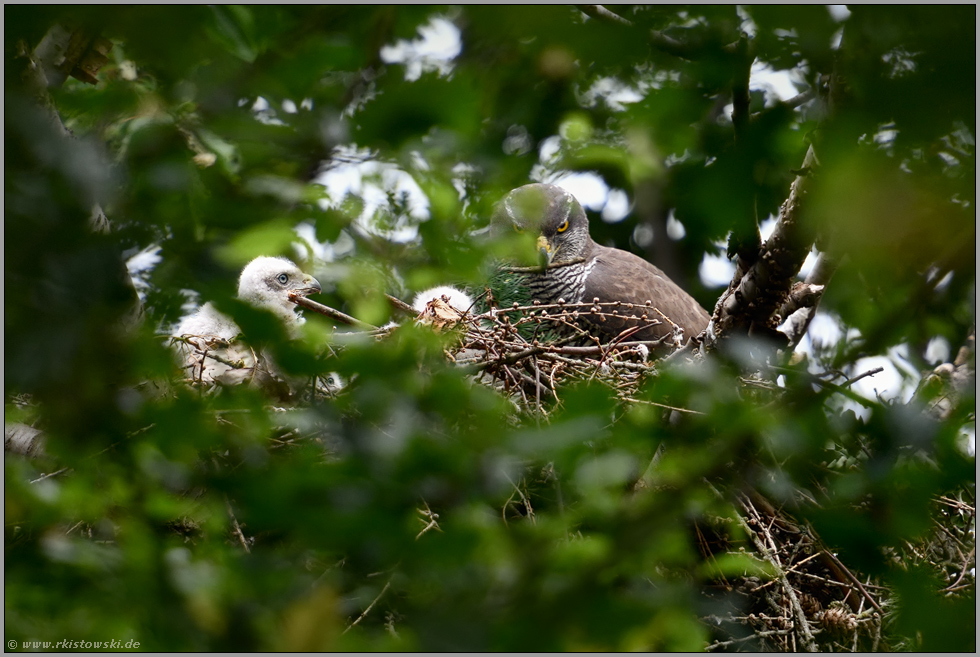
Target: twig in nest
<point>794,569</point>
<point>309,304</point>
<point>756,635</point>
<point>854,579</point>
<point>801,622</point>
<point>204,346</point>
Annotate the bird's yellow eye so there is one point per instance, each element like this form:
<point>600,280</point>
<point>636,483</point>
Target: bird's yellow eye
<point>518,228</point>
<point>563,227</point>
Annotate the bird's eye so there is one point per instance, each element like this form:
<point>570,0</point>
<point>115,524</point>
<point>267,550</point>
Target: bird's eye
<point>518,228</point>
<point>563,227</point>
<point>282,278</point>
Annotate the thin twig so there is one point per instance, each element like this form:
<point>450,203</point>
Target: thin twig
<point>854,579</point>
<point>524,499</point>
<point>236,527</point>
<point>398,304</point>
<point>803,625</point>
<point>204,346</point>
<point>793,570</point>
<point>872,372</point>
<point>369,608</point>
<point>432,520</point>
<point>50,474</point>
<point>653,403</point>
<point>755,635</point>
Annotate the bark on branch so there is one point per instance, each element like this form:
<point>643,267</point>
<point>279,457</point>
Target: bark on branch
<point>754,296</point>
<point>333,314</point>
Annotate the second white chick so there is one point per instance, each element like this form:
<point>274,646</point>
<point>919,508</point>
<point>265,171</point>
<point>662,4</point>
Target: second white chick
<point>455,297</point>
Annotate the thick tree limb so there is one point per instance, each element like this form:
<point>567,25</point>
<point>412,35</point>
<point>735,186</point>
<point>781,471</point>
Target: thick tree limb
<point>800,306</point>
<point>77,53</point>
<point>754,296</point>
<point>22,439</point>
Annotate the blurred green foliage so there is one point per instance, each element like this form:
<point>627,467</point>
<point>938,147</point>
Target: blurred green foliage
<point>204,136</point>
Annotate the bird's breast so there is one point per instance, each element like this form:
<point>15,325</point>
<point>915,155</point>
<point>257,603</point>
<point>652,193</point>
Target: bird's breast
<point>566,283</point>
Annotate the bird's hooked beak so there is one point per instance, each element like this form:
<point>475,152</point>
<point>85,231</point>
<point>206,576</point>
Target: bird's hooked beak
<point>545,251</point>
<point>310,286</point>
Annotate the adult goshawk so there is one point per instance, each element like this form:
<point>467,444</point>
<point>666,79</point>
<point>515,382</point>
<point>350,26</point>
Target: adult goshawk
<point>582,271</point>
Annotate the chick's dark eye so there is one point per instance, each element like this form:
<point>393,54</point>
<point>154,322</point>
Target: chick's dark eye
<point>282,278</point>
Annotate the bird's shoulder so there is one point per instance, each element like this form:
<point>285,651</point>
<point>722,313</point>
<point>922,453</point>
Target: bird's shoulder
<point>617,275</point>
<point>208,321</point>
<point>626,273</point>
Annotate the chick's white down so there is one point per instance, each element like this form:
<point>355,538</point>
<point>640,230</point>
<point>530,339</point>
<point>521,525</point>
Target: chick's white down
<point>455,297</point>
<point>265,283</point>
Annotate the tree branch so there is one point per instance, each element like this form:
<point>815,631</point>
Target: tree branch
<point>401,306</point>
<point>601,13</point>
<point>309,304</point>
<point>753,297</point>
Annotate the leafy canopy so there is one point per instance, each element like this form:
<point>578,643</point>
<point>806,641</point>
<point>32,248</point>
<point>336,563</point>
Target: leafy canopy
<point>192,522</point>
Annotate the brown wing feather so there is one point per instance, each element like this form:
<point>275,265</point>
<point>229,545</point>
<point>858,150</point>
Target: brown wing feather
<point>622,276</point>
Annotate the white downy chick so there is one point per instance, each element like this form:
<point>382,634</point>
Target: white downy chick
<point>442,306</point>
<point>455,297</point>
<point>210,354</point>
